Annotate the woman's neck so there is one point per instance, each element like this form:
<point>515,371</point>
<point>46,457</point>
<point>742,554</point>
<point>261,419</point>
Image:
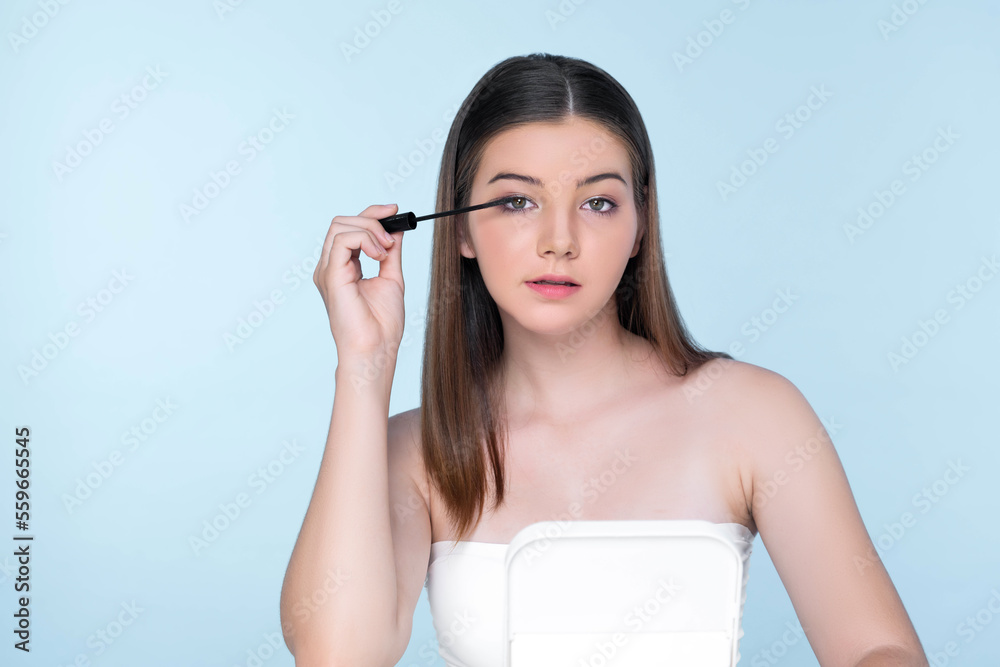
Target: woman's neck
<point>566,377</point>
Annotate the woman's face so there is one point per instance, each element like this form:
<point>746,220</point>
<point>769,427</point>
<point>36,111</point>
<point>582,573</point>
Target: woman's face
<point>576,218</point>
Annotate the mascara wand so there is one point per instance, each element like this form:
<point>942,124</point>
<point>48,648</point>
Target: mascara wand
<point>402,222</point>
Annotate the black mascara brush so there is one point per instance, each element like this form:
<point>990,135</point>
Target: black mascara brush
<point>402,222</point>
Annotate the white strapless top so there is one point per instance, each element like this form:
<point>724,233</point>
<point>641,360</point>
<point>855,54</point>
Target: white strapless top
<point>465,590</point>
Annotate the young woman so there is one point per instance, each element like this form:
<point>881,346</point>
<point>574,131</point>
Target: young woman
<point>531,391</point>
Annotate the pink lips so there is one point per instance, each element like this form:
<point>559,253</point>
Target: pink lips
<point>554,291</point>
<point>555,278</point>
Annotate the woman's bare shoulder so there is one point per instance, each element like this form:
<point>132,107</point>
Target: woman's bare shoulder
<point>721,380</point>
<point>750,401</point>
<point>408,417</point>
<point>404,442</point>
<point>404,433</point>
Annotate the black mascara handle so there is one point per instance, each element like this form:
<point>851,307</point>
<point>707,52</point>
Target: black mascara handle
<point>400,222</point>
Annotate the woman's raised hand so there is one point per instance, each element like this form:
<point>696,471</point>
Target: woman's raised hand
<point>366,314</point>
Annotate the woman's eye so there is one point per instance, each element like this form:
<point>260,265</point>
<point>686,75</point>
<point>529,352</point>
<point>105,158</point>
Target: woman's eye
<point>516,205</point>
<point>597,205</point>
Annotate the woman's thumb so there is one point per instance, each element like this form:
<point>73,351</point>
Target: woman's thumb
<point>391,266</point>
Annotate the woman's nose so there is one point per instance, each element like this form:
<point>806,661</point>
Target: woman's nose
<point>557,231</point>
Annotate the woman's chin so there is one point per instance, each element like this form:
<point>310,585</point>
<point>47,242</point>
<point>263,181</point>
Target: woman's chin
<point>559,326</point>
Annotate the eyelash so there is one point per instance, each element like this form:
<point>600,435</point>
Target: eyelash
<point>518,211</point>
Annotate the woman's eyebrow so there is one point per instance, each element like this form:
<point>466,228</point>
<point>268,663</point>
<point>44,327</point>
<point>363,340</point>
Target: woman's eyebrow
<point>531,180</point>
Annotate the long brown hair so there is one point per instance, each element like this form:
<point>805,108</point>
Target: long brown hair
<point>463,412</point>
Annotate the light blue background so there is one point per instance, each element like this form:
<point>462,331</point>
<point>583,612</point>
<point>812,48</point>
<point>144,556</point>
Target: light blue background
<point>163,335</point>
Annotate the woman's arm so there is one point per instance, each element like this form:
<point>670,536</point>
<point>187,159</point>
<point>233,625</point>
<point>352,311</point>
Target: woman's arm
<point>360,559</point>
<point>809,522</point>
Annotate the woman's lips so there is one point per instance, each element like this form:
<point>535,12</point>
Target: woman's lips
<point>553,291</point>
